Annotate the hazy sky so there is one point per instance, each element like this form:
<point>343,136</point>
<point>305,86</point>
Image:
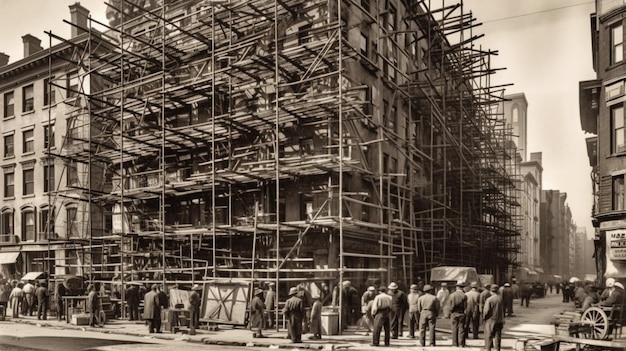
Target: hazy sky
<point>543,44</point>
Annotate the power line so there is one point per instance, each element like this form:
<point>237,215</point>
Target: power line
<point>538,12</point>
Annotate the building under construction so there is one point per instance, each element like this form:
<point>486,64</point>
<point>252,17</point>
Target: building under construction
<point>277,140</point>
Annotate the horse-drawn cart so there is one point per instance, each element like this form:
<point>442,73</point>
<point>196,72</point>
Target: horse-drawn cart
<point>596,322</point>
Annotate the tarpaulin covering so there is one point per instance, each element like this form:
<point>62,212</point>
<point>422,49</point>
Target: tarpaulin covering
<point>465,275</point>
<point>8,257</point>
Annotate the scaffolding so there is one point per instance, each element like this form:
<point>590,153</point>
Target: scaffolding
<point>285,141</point>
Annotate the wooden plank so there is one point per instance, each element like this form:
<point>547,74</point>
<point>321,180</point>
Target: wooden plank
<point>593,342</point>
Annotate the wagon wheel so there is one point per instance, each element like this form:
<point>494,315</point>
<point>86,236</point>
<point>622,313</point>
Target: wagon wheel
<point>598,320</point>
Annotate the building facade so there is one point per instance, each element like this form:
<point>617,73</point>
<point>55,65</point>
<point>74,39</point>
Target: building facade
<point>329,141</point>
<point>602,115</point>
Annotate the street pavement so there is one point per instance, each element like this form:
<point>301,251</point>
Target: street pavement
<point>527,326</point>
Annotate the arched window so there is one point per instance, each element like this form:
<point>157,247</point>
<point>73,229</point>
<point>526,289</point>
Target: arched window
<point>6,226</point>
<point>71,223</point>
<point>28,224</point>
<point>46,222</point>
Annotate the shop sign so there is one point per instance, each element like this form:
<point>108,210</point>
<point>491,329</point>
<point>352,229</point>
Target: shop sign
<point>616,244</point>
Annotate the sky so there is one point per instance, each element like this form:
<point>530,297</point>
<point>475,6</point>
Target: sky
<point>545,46</point>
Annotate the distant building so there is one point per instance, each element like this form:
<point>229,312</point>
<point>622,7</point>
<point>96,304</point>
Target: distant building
<point>555,230</point>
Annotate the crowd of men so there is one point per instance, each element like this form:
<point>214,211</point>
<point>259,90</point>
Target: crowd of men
<point>26,299</point>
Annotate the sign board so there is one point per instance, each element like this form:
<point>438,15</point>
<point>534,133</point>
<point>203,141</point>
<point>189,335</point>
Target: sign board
<point>179,297</point>
<point>225,301</point>
<point>616,244</point>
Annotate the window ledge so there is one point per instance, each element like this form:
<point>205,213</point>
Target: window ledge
<point>26,113</point>
<point>9,157</point>
<point>28,196</point>
<point>9,198</point>
<point>6,118</point>
<point>28,153</point>
<point>45,107</point>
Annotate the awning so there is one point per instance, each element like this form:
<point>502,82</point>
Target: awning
<point>8,257</point>
<point>32,276</point>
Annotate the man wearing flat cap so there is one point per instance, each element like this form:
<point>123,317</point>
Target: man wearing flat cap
<point>294,313</point>
<point>414,314</point>
<point>152,309</point>
<point>472,312</point>
<point>429,309</point>
<point>458,304</point>
<point>381,308</point>
<point>493,315</point>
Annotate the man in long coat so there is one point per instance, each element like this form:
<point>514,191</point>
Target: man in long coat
<point>43,300</point>
<point>458,304</point>
<point>294,312</point>
<point>194,308</point>
<point>507,299</point>
<point>152,310</point>
<point>270,301</point>
<point>316,319</point>
<point>493,315</point>
<point>472,312</point>
<point>132,299</point>
<point>93,304</point>
<point>399,305</point>
<point>257,306</point>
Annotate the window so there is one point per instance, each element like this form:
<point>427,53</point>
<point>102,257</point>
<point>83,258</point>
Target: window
<point>618,193</point>
<point>515,114</point>
<point>9,103</point>
<point>48,136</point>
<point>28,181</point>
<point>46,223</point>
<point>48,92</point>
<point>9,183</point>
<point>28,141</point>
<point>28,99</point>
<point>72,174</point>
<point>366,5</point>
<point>73,85</point>
<point>617,124</point>
<point>7,225</point>
<point>617,43</point>
<point>72,225</point>
<point>304,34</point>
<point>48,176</point>
<point>8,145</point>
<point>28,224</point>
<point>364,45</point>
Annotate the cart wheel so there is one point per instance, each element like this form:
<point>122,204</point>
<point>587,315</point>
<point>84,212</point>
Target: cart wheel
<point>599,322</point>
<point>102,318</point>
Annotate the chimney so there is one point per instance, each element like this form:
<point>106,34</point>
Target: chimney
<point>32,45</point>
<point>79,16</point>
<point>4,59</point>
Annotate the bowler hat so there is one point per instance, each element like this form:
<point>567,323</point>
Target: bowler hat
<point>413,286</point>
<point>293,290</point>
<point>393,285</point>
<point>474,285</point>
<point>427,287</point>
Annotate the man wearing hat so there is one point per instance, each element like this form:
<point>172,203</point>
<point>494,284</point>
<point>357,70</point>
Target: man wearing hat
<point>294,312</point>
<point>381,308</point>
<point>366,307</point>
<point>399,305</point>
<point>93,303</point>
<point>256,314</point>
<point>194,308</point>
<point>270,301</point>
<point>315,322</point>
<point>414,315</point>
<point>458,304</point>
<point>507,299</point>
<point>132,300</point>
<point>152,310</point>
<point>493,315</point>
<point>443,293</point>
<point>472,312</point>
<point>429,309</point>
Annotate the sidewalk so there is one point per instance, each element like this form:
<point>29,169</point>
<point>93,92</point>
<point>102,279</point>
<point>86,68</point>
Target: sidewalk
<point>239,336</point>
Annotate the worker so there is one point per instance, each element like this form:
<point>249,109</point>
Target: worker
<point>472,311</point>
<point>294,312</point>
<point>458,304</point>
<point>493,315</point>
<point>429,309</point>
<point>381,309</point>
